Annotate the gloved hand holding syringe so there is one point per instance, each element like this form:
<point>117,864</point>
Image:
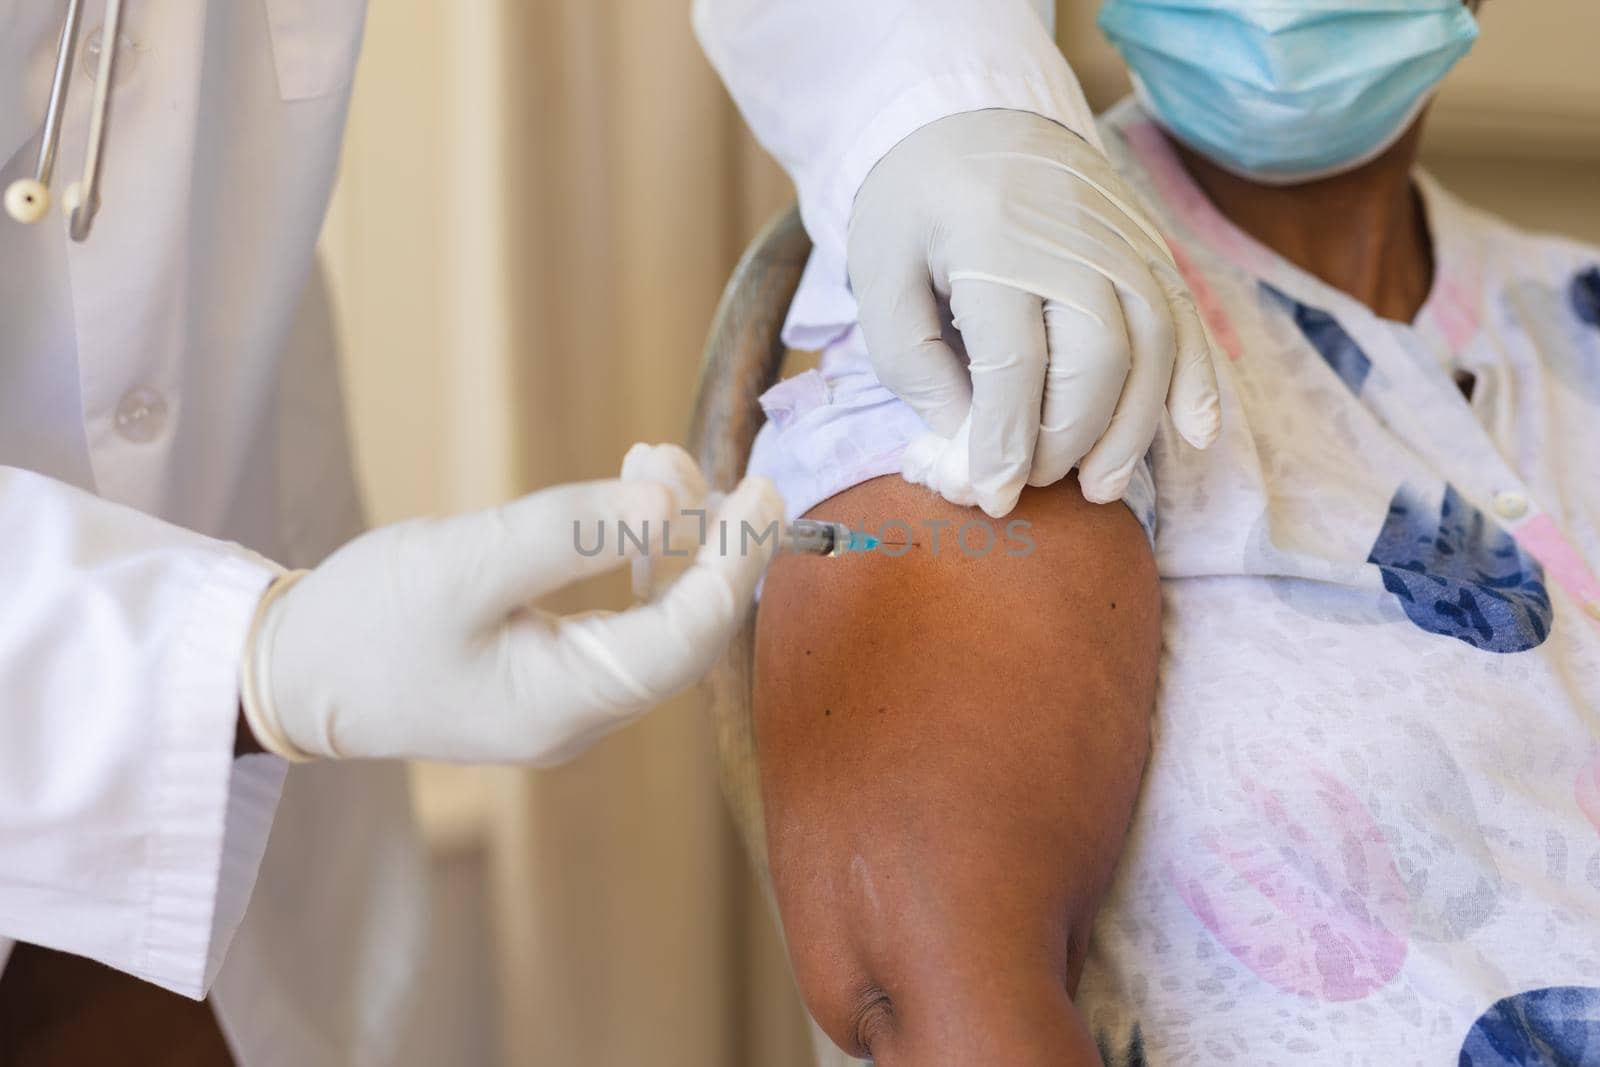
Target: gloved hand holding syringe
<point>423,640</point>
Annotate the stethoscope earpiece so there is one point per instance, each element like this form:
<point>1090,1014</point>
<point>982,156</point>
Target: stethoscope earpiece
<point>28,199</point>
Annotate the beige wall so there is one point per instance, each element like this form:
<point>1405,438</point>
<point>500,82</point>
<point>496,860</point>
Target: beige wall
<point>539,202</point>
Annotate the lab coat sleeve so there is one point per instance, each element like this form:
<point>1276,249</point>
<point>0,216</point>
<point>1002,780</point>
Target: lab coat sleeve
<point>129,833</point>
<point>830,86</point>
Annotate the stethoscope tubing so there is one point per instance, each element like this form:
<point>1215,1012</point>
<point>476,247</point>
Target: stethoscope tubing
<point>86,203</point>
<point>45,169</point>
<point>27,200</point>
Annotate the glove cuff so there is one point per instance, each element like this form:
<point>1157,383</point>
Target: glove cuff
<point>255,674</point>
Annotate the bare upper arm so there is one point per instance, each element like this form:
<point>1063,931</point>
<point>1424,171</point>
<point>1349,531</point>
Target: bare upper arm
<point>950,751</point>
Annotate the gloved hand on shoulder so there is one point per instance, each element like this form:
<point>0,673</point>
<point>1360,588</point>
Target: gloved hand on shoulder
<point>1077,327</point>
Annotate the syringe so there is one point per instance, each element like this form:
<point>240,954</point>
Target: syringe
<point>829,539</point>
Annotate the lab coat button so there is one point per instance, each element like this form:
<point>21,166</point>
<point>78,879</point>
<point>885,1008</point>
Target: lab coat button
<point>142,416</point>
<point>1511,506</point>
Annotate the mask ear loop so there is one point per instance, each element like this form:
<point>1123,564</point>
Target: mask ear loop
<point>27,199</point>
<point>82,199</point>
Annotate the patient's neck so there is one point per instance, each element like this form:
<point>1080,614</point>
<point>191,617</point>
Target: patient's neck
<point>1363,232</point>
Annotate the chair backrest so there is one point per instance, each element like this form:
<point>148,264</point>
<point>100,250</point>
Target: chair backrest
<point>743,358</point>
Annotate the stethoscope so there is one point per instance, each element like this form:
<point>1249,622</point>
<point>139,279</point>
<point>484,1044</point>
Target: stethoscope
<point>28,199</point>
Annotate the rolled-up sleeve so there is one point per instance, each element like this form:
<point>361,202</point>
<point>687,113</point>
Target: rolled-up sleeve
<point>830,86</point>
<point>129,833</point>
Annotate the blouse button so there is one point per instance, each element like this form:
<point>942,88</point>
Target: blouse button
<point>1510,505</point>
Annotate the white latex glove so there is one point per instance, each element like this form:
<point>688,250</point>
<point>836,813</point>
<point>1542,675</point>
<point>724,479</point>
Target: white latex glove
<point>671,466</point>
<point>419,640</point>
<point>1077,325</point>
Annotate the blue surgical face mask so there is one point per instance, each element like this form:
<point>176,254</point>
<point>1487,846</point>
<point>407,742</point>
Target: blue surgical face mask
<point>1283,91</point>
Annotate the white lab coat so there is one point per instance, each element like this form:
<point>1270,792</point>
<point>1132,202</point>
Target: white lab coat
<point>830,86</point>
<point>170,420</point>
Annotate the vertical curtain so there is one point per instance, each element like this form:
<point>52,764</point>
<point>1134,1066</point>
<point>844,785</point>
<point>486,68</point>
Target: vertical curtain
<point>631,933</point>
